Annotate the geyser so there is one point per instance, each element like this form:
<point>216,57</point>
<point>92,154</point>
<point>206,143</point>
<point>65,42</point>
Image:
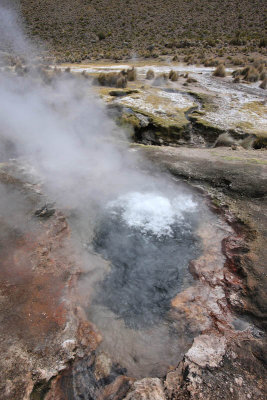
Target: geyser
<point>149,238</point>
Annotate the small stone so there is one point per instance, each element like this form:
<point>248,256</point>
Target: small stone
<point>103,366</point>
<point>147,389</point>
<point>207,350</point>
<point>234,355</point>
<point>235,300</point>
<point>69,345</point>
<point>45,212</point>
<point>239,381</point>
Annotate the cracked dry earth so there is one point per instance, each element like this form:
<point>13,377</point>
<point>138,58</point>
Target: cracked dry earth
<point>50,350</point>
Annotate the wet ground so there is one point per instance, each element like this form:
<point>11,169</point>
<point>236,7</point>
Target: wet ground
<point>224,105</point>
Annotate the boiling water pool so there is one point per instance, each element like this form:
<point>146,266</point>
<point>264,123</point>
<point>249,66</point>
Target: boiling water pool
<point>149,240</point>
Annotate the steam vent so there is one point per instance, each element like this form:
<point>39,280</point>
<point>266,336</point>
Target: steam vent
<point>133,214</point>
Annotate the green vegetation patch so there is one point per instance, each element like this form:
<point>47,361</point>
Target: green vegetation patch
<point>247,160</point>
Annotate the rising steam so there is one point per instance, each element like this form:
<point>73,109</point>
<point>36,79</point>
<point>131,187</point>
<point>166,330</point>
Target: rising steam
<point>63,130</point>
<point>59,128</point>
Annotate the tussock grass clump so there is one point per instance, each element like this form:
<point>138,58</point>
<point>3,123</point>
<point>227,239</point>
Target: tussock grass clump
<point>211,63</point>
<point>237,73</point>
<point>57,71</point>
<point>101,35</point>
<point>263,42</point>
<point>20,69</point>
<point>160,79</point>
<point>112,79</point>
<point>220,71</point>
<point>191,80</point>
<point>189,59</point>
<point>250,74</point>
<point>131,74</point>
<point>46,76</point>
<point>238,61</point>
<point>262,76</point>
<point>263,84</point>
<point>150,74</point>
<point>236,79</point>
<point>173,76</point>
<point>259,66</point>
<point>68,73</point>
<point>164,76</point>
<point>84,74</point>
<point>121,82</point>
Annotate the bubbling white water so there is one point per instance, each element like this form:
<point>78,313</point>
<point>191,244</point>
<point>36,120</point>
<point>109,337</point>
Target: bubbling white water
<point>152,212</point>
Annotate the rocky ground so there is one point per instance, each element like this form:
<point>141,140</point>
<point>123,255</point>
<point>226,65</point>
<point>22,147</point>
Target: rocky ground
<point>44,330</point>
<point>229,367</point>
<point>49,347</point>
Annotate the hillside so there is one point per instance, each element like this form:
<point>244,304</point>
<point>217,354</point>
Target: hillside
<point>81,29</point>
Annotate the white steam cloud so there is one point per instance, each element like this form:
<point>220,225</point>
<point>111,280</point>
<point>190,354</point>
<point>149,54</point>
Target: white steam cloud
<point>63,131</point>
<point>11,32</point>
<point>150,212</point>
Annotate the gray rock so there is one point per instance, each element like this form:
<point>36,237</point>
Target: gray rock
<point>147,389</point>
<point>207,350</point>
